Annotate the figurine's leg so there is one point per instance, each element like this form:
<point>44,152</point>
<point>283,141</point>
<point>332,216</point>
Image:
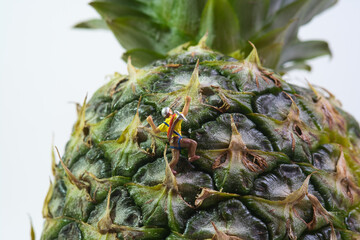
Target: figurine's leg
<point>191,146</point>
<point>174,160</point>
<point>175,154</point>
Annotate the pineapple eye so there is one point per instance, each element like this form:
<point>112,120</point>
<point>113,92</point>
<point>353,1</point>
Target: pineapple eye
<point>141,137</point>
<point>298,130</point>
<point>86,131</point>
<point>315,99</point>
<point>132,219</point>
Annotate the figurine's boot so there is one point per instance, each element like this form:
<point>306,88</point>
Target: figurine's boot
<point>191,146</point>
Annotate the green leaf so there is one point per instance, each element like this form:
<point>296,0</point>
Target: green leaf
<point>141,57</point>
<point>112,9</point>
<point>222,25</point>
<point>301,65</point>
<point>93,24</point>
<point>149,29</point>
<point>314,8</point>
<point>270,46</point>
<point>304,50</point>
<point>133,32</point>
<point>251,15</point>
<point>290,13</point>
<point>182,15</point>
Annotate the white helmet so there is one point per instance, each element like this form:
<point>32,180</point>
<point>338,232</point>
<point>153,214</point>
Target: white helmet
<point>165,111</point>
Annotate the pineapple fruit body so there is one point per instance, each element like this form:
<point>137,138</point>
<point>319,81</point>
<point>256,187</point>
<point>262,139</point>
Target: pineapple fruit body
<point>278,161</point>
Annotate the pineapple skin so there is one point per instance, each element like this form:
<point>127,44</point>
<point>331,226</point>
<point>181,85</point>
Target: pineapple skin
<point>278,161</point>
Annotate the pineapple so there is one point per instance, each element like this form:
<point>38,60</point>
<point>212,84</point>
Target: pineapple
<point>277,161</point>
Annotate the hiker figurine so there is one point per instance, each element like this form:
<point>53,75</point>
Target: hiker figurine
<point>172,125</point>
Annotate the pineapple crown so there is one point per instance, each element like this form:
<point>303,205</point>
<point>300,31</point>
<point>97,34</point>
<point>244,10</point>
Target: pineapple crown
<point>149,29</point>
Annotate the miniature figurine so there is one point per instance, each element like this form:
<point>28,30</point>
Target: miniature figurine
<point>172,125</point>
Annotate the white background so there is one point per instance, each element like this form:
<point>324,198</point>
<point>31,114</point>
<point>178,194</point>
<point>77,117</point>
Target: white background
<point>45,66</point>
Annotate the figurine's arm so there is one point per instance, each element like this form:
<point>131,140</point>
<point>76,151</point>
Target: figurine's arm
<point>152,124</point>
<point>186,106</point>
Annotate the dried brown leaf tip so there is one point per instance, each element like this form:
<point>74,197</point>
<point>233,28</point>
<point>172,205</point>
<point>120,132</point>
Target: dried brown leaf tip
<point>238,152</point>
<point>268,75</point>
<point>79,183</point>
<point>105,223</point>
<point>74,180</point>
<point>80,123</point>
<point>220,235</point>
<point>46,211</point>
<point>253,65</point>
<point>32,231</point>
<point>170,179</point>
<point>89,177</point>
<point>345,180</point>
<point>331,116</point>
<point>205,193</point>
<point>296,198</point>
<point>234,67</point>
<point>225,102</point>
<point>209,197</point>
<point>253,57</point>
<point>133,72</point>
<point>53,162</point>
<point>172,65</point>
<point>294,126</point>
<point>118,86</point>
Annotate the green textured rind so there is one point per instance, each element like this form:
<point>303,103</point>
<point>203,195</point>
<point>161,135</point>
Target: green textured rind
<point>113,184</point>
<point>149,29</point>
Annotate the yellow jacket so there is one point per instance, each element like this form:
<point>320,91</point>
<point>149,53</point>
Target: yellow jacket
<point>164,127</point>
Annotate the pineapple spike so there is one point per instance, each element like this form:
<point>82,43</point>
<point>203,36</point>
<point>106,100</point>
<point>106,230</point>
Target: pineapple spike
<point>194,82</point>
<point>313,89</point>
<point>344,180</point>
<point>293,106</point>
<point>32,232</point>
<point>207,193</point>
<point>45,210</point>
<point>79,184</point>
<point>138,106</point>
<point>219,235</point>
<point>131,69</point>
<point>236,139</point>
<point>296,196</point>
<point>80,123</point>
<point>202,42</point>
<point>170,179</point>
<point>53,162</point>
<point>253,57</point>
<point>77,107</point>
<point>238,147</point>
<point>132,74</point>
<point>105,223</point>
